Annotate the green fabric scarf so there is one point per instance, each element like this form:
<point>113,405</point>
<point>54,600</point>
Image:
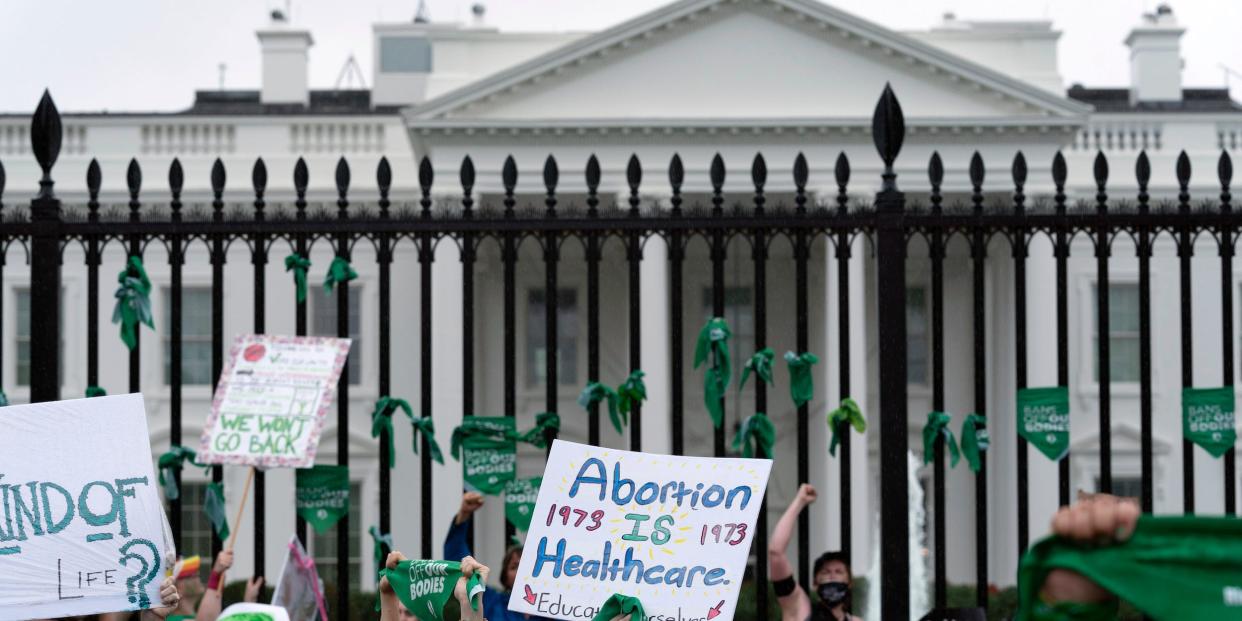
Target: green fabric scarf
<point>849,413</point>
<point>632,392</point>
<point>380,546</point>
<point>174,460</point>
<point>596,392</point>
<point>299,265</point>
<point>340,271</point>
<point>133,301</point>
<point>974,440</point>
<point>713,343</point>
<point>424,587</point>
<point>1208,418</point>
<point>938,426</point>
<point>760,364</point>
<point>423,426</point>
<point>801,382</point>
<point>619,605</point>
<point>322,495</point>
<point>487,448</point>
<point>381,420</point>
<point>520,498</point>
<point>214,507</point>
<point>756,432</point>
<point>95,391</point>
<point>1170,568</point>
<point>544,422</point>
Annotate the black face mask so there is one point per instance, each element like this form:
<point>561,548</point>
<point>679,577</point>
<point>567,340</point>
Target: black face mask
<point>833,593</point>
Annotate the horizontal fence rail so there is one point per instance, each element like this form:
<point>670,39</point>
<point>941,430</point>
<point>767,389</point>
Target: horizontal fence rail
<point>446,213</point>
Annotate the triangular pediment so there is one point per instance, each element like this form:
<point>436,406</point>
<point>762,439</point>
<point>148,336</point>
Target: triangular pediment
<point>744,60</point>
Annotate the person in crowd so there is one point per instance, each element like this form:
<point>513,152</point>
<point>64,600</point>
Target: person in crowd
<point>391,608</point>
<point>1096,519</point>
<point>831,578</point>
<point>495,603</point>
<point>169,597</point>
<point>212,599</point>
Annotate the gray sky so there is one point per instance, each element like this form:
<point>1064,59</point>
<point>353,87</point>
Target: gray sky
<point>140,55</point>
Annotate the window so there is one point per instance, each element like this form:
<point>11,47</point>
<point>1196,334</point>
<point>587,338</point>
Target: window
<point>566,337</point>
<point>917,339</point>
<point>1125,487</point>
<point>323,547</point>
<point>740,315</point>
<point>1123,333</point>
<point>195,336</point>
<point>323,316</point>
<point>23,337</point>
<point>195,527</point>
<point>405,55</point>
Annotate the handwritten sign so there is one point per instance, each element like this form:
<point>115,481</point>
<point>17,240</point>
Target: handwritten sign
<point>271,401</point>
<point>82,530</point>
<point>674,532</point>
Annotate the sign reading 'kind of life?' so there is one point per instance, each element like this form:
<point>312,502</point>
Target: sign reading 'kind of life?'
<point>82,530</point>
<point>271,401</point>
<point>674,532</point>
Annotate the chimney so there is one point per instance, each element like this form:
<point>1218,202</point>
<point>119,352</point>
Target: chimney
<point>285,60</point>
<point>1155,58</point>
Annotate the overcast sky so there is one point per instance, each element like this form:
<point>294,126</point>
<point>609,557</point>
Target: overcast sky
<point>145,55</point>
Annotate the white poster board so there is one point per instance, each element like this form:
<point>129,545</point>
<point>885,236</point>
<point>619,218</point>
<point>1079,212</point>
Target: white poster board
<point>674,532</point>
<point>271,401</point>
<point>82,530</point>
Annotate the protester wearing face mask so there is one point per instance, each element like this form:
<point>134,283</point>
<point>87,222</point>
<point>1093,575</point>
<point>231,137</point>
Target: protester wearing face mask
<point>831,579</point>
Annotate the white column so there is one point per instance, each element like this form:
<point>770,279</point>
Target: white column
<point>862,515</point>
<point>653,317</point>
<point>1041,355</point>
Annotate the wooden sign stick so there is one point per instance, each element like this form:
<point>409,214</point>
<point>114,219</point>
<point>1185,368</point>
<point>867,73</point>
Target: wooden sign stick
<point>240,509</point>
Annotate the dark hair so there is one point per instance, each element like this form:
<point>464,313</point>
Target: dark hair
<point>828,557</point>
<point>504,564</point>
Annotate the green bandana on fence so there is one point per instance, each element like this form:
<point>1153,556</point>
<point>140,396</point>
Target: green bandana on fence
<point>801,382</point>
<point>596,392</point>
<point>381,420</point>
<point>1208,418</point>
<point>520,497</point>
<point>848,414</point>
<point>213,506</point>
<point>95,391</point>
<point>322,495</point>
<point>632,392</point>
<point>173,461</point>
<point>424,587</point>
<point>1170,568</point>
<point>1043,419</point>
<point>713,343</point>
<point>760,364</point>
<point>756,433</point>
<point>340,271</point>
<point>938,426</point>
<point>380,546</point>
<point>538,435</point>
<point>620,605</point>
<point>487,448</point>
<point>299,265</point>
<point>974,440</point>
<point>423,426</point>
<point>133,301</point>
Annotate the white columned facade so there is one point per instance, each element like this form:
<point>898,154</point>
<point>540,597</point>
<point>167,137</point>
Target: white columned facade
<point>654,312</point>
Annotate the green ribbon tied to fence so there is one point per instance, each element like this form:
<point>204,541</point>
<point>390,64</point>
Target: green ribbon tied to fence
<point>427,429</point>
<point>381,421</point>
<point>938,426</point>
<point>848,414</point>
<point>974,440</point>
<point>379,542</point>
<point>596,392</point>
<point>760,364</point>
<point>618,606</point>
<point>757,432</point>
<point>133,301</point>
<point>632,392</point>
<point>713,343</point>
<point>213,506</point>
<point>339,272</point>
<point>299,265</point>
<point>172,462</point>
<point>464,431</point>
<point>801,382</point>
<point>538,435</point>
<point>95,391</point>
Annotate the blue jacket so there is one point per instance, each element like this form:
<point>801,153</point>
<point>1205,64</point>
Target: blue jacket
<point>495,603</point>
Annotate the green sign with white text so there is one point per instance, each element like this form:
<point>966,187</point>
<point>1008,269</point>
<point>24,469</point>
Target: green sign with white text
<point>1208,420</point>
<point>1043,419</point>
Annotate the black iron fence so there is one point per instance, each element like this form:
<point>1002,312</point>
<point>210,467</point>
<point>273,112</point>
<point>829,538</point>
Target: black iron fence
<point>888,222</point>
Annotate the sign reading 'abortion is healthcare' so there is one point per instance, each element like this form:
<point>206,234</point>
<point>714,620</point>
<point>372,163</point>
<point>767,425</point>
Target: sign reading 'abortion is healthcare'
<point>82,530</point>
<point>271,401</point>
<point>672,531</point>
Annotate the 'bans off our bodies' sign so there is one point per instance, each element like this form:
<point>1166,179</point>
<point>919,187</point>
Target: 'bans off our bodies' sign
<point>271,401</point>
<point>672,531</point>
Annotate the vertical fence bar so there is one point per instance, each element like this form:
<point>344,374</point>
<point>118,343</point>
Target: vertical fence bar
<point>426,255</point>
<point>342,398</point>
<point>676,257</point>
<point>935,174</point>
<point>1019,330</point>
<point>1061,250</point>
<point>717,175</point>
<point>841,174</point>
<point>1102,253</point>
<point>133,181</point>
<point>176,258</point>
<point>509,257</point>
<point>978,256</point>
<point>888,132</point>
<point>301,179</point>
<point>551,255</point>
<point>1224,173</point>
<point>45,220</point>
<point>592,259</point>
<point>802,253</point>
<point>468,256</point>
<point>93,259</point>
<point>1185,251</point>
<point>258,256</point>
<point>383,260</point>
<point>217,308</point>
<point>1142,173</point>
<point>759,255</point>
<point>634,256</point>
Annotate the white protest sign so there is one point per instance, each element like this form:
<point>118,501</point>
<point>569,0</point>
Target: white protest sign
<point>271,401</point>
<point>675,532</point>
<point>82,530</point>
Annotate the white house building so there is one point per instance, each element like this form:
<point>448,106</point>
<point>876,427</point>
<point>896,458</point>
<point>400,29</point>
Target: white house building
<point>695,78</point>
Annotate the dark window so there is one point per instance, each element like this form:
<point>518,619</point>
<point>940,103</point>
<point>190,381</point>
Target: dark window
<point>566,337</point>
<point>1123,333</point>
<point>323,323</point>
<point>1125,487</point>
<point>195,527</point>
<point>323,547</point>
<point>405,55</point>
<point>195,335</point>
<point>23,337</point>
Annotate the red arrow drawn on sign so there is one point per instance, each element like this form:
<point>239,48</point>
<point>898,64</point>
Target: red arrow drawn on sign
<point>712,613</point>
<point>530,596</point>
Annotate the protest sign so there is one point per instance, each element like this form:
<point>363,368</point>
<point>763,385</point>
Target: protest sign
<point>1043,419</point>
<point>82,530</point>
<point>1207,418</point>
<point>299,589</point>
<point>271,401</point>
<point>488,446</point>
<point>323,495</point>
<point>674,532</point>
<point>520,497</point>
